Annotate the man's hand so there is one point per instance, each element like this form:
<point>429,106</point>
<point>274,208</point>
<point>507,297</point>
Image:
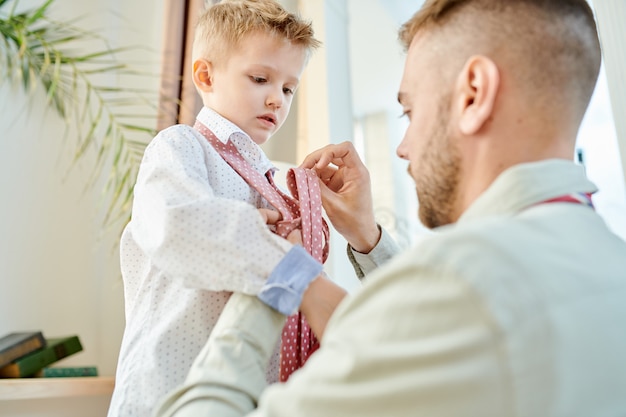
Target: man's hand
<point>346,194</point>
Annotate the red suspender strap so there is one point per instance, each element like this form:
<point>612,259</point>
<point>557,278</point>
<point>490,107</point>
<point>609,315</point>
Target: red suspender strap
<point>576,198</point>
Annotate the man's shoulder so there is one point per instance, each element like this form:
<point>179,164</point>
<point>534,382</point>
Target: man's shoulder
<point>457,245</point>
<point>491,258</point>
<point>517,263</point>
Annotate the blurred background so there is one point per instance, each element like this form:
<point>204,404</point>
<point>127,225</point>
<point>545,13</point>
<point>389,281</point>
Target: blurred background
<point>59,267</point>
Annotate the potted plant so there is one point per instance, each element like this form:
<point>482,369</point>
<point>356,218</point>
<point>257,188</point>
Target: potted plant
<point>38,53</point>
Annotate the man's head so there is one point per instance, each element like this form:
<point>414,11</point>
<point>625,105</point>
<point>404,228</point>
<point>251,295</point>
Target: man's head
<point>489,84</point>
<point>248,57</point>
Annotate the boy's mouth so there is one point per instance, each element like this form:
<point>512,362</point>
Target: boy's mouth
<point>270,118</point>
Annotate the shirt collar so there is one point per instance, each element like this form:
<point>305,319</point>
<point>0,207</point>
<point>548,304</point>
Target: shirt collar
<point>524,185</point>
<point>224,129</point>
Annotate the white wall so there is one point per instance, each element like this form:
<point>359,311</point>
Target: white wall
<point>610,15</point>
<point>59,270</point>
<point>606,139</point>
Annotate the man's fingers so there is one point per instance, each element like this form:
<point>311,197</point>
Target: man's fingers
<point>326,173</point>
<point>329,198</point>
<point>343,154</point>
<point>318,159</point>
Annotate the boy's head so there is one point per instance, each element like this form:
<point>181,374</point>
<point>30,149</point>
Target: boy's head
<point>248,58</point>
<point>221,28</point>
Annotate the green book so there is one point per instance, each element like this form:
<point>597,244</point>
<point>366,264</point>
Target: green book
<point>16,345</point>
<point>69,372</point>
<point>55,350</point>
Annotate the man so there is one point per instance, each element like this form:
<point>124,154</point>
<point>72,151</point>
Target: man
<point>515,306</point>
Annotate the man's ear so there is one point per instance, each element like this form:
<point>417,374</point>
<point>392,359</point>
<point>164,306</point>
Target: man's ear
<point>477,89</point>
<point>203,75</point>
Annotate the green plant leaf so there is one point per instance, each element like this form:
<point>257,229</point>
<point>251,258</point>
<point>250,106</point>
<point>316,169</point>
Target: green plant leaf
<point>101,117</point>
<point>38,13</point>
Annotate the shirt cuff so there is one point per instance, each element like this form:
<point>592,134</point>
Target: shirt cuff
<point>286,284</point>
<point>384,250</point>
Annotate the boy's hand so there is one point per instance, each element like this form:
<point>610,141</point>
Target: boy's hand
<point>271,217</point>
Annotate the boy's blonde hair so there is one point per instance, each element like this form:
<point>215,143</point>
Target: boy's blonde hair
<point>222,26</point>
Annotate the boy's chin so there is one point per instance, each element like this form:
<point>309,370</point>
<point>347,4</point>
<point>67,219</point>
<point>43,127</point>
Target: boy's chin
<point>260,140</point>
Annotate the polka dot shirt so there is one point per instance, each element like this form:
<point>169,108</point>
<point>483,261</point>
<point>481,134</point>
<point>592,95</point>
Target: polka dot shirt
<point>194,237</point>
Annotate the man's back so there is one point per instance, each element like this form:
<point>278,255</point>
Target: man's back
<point>554,284</point>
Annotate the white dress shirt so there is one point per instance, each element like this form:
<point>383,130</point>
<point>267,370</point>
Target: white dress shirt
<point>194,237</point>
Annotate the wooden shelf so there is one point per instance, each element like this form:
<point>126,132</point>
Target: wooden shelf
<point>37,388</point>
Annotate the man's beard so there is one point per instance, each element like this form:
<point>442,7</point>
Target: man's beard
<point>437,180</point>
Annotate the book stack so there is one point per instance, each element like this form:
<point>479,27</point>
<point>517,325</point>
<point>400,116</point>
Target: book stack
<point>27,354</point>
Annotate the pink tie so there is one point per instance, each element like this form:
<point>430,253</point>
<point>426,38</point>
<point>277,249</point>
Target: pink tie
<point>304,211</point>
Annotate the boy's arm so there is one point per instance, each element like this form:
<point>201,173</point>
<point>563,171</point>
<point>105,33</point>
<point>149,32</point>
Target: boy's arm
<point>317,298</point>
<point>189,232</point>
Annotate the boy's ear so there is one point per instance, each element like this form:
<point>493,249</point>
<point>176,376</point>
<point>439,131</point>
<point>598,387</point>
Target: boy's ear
<point>203,75</point>
<point>477,89</point>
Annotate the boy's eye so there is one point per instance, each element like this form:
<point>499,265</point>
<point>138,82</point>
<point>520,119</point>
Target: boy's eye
<point>287,90</point>
<point>259,80</point>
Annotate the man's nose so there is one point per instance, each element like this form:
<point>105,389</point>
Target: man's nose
<point>402,150</point>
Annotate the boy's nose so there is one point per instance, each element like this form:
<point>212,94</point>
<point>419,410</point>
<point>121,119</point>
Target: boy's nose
<point>274,99</point>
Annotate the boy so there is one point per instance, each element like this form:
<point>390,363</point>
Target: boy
<point>195,235</point>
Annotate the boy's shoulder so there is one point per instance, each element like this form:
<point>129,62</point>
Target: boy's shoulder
<point>178,134</point>
<point>182,130</point>
<point>177,139</point>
